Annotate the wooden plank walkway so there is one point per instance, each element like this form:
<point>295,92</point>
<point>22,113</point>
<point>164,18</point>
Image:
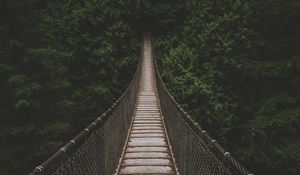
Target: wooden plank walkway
<point>147,150</point>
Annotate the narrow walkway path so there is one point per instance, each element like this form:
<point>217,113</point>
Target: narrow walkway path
<point>147,150</point>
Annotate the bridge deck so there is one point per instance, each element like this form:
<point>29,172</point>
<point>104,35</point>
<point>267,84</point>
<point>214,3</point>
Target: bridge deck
<point>147,150</point>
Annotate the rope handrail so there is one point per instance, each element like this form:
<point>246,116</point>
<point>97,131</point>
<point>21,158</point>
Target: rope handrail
<point>237,167</point>
<point>97,148</point>
<point>58,159</point>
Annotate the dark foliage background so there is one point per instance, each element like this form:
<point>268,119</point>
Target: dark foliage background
<point>59,62</point>
<point>234,65</point>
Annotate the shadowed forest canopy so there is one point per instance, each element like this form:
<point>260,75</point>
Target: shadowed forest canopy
<point>234,65</point>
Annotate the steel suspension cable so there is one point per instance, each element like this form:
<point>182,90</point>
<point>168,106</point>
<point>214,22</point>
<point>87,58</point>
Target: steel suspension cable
<point>196,152</point>
<point>97,149</point>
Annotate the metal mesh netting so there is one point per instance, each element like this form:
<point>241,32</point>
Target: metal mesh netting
<point>97,149</point>
<point>87,159</point>
<point>101,152</point>
<point>195,152</point>
<point>191,153</point>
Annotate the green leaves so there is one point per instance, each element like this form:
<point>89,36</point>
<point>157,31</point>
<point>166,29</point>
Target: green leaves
<point>58,63</point>
<point>17,79</point>
<point>233,66</point>
<point>55,131</point>
<point>21,104</point>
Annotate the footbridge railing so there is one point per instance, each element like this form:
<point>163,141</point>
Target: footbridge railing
<point>195,152</point>
<point>97,149</point>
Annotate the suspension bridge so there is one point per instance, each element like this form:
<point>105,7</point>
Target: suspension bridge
<point>144,132</point>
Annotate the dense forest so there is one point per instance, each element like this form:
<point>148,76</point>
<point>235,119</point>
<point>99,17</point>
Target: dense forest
<point>62,64</point>
<point>234,65</point>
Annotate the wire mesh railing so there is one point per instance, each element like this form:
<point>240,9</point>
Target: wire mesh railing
<point>195,152</point>
<point>97,149</point>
